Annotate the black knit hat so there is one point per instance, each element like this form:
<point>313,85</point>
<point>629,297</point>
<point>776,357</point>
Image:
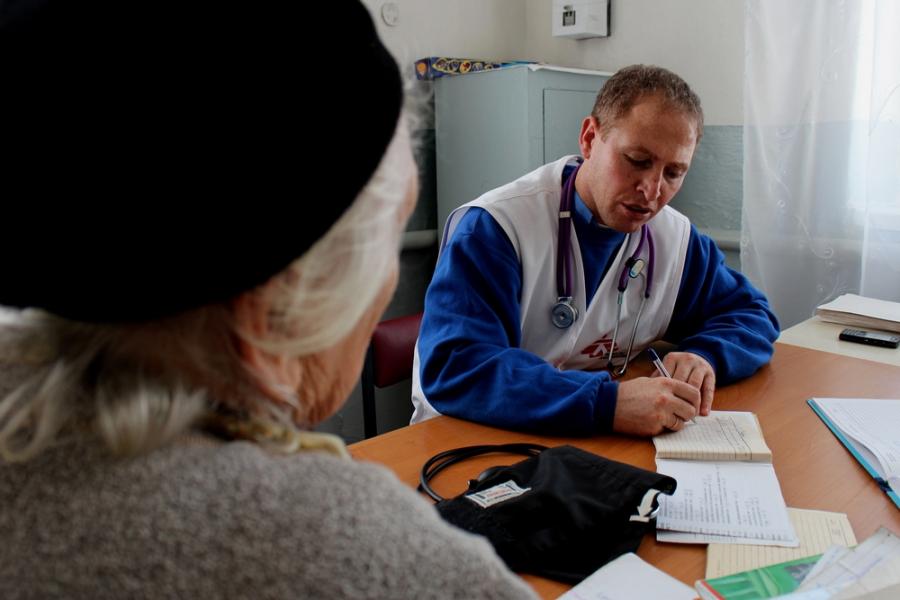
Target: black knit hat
<point>156,157</point>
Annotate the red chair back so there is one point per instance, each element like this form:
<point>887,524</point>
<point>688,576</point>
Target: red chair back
<point>393,345</point>
<point>388,361</point>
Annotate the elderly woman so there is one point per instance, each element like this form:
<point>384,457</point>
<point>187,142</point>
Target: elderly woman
<point>163,373</point>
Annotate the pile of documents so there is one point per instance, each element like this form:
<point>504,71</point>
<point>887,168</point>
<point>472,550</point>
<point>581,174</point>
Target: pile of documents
<point>870,570</point>
<point>862,312</point>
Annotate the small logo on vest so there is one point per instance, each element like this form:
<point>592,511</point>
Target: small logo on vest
<point>600,348</point>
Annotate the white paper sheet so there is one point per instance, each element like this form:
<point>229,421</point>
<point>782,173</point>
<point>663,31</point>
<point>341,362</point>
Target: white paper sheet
<point>739,499</point>
<point>616,581</point>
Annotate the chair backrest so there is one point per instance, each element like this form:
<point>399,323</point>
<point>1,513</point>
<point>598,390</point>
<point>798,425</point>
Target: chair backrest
<point>388,361</point>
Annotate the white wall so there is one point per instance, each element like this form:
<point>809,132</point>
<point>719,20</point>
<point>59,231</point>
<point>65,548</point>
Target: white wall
<point>487,29</point>
<point>701,40</point>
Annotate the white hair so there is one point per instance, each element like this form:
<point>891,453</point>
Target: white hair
<point>136,386</point>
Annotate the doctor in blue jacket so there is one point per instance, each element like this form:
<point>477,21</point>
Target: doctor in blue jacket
<point>548,286</point>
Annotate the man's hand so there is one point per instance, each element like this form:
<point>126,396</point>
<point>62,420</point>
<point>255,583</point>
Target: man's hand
<point>695,370</point>
<point>648,406</point>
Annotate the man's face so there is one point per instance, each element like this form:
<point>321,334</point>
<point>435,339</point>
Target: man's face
<point>634,168</point>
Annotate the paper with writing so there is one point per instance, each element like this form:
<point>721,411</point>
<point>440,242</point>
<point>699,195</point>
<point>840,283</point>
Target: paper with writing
<point>741,499</point>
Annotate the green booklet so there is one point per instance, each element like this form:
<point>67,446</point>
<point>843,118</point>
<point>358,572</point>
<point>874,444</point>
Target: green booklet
<point>764,582</point>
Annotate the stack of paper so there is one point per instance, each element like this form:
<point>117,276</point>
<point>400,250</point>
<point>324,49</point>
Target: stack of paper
<point>859,311</point>
<point>727,488</point>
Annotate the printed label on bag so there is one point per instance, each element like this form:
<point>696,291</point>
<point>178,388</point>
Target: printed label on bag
<point>498,493</point>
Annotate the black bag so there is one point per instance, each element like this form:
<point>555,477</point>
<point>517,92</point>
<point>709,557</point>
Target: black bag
<point>561,514</point>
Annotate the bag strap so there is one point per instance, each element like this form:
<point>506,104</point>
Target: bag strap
<point>442,460</point>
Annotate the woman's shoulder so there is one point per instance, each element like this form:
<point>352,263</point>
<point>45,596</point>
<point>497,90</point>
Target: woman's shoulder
<point>360,532</point>
<point>198,517</point>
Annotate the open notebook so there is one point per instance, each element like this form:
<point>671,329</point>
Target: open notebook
<point>727,488</point>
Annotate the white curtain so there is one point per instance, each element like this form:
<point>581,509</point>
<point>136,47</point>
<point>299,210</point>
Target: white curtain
<point>821,205</point>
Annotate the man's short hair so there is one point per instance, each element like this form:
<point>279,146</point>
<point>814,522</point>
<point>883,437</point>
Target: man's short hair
<point>630,84</point>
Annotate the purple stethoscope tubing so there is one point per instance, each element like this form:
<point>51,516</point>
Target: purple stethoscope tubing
<point>565,269</point>
<point>564,259</point>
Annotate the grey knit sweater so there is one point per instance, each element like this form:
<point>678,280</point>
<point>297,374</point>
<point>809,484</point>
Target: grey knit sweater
<point>202,519</point>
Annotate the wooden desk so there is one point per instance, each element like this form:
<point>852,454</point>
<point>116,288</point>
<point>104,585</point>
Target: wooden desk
<point>814,469</point>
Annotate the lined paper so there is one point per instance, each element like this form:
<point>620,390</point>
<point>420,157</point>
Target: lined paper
<point>723,435</point>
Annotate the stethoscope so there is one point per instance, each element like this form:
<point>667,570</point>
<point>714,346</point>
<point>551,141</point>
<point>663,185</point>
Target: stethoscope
<point>564,312</point>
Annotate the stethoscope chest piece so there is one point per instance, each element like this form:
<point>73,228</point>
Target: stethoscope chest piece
<point>563,313</point>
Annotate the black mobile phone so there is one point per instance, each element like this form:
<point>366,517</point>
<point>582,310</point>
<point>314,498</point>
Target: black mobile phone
<point>872,338</point>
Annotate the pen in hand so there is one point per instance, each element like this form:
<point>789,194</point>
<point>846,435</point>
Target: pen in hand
<point>657,362</point>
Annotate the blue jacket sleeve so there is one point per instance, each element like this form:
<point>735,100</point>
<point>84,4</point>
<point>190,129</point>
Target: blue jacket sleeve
<point>720,315</point>
<point>471,365</point>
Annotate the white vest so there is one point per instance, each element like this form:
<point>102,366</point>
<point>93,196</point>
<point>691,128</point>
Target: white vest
<point>528,212</point>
